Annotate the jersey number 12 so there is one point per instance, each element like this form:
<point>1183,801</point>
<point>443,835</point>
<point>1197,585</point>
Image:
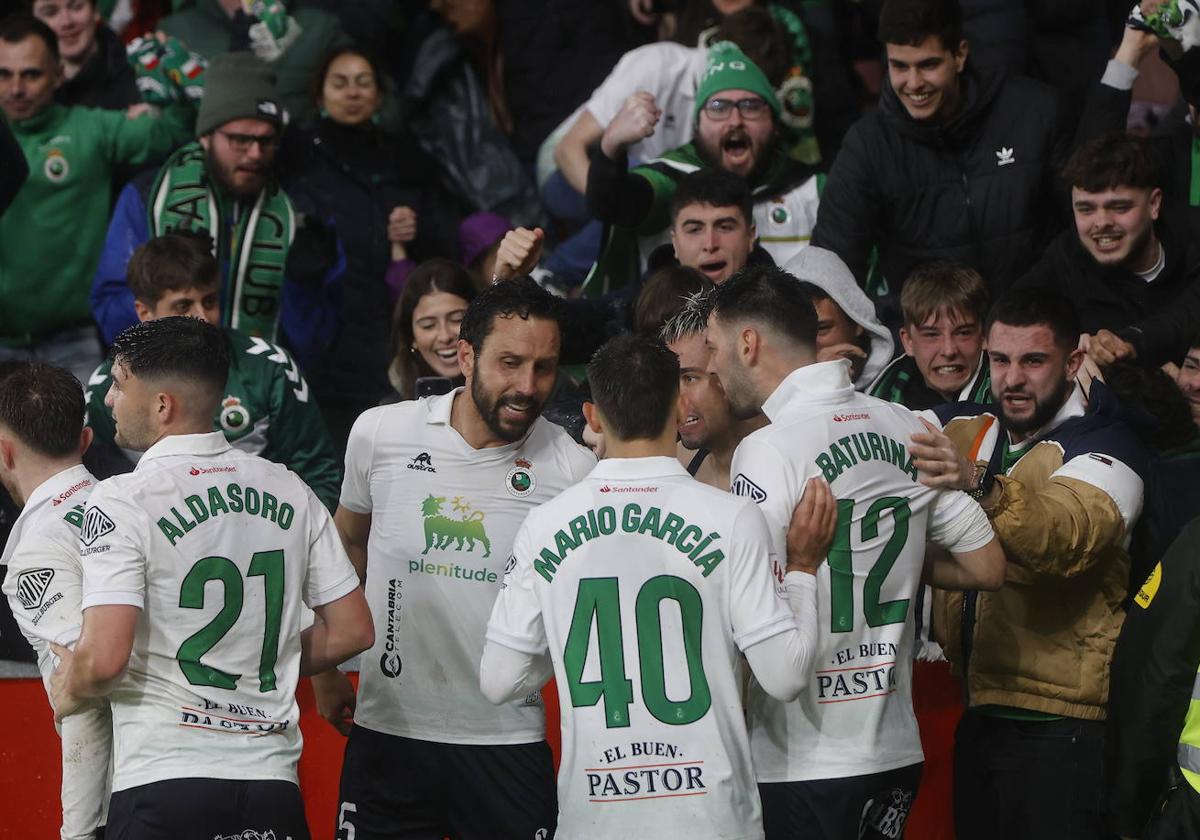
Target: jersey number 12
<point>841,565</point>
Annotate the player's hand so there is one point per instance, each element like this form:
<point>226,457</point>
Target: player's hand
<point>63,701</point>
<point>939,461</point>
<point>336,700</point>
<point>632,124</point>
<point>519,253</point>
<point>1106,347</point>
<point>402,224</point>
<point>812,527</point>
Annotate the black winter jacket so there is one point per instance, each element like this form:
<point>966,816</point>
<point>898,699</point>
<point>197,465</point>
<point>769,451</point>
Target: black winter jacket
<point>977,189</point>
<point>105,81</point>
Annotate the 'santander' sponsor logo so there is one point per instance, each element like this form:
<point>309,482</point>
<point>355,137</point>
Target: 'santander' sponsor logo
<point>845,418</point>
<point>207,470</point>
<point>607,488</point>
<point>70,491</point>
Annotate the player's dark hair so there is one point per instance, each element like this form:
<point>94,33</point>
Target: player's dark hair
<point>17,27</point>
<point>713,187</point>
<point>520,297</point>
<point>1035,308</point>
<point>1114,160</point>
<point>170,263</point>
<point>665,293</point>
<point>909,22</point>
<point>176,348</point>
<point>769,297</point>
<point>635,383</point>
<point>43,406</point>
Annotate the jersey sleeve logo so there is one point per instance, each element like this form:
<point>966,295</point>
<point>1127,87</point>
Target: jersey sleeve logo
<point>95,525</point>
<point>743,486</point>
<point>32,586</point>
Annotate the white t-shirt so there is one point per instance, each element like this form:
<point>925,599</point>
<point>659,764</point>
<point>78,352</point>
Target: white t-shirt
<point>856,716</point>
<point>221,551</point>
<point>643,584</point>
<point>668,70</point>
<point>43,585</point>
<point>443,517</point>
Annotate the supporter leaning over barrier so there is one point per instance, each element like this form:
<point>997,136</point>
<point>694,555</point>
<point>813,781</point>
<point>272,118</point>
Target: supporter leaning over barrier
<point>71,153</point>
<point>279,267</point>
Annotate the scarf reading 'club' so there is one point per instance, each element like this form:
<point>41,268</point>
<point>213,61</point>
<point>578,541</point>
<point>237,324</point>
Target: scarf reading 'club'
<point>256,253</point>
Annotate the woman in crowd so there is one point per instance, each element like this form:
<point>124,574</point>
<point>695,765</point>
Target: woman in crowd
<point>425,327</point>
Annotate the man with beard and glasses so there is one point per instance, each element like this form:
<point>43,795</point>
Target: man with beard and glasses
<point>1130,267</point>
<point>434,493</point>
<point>1060,478</point>
<point>737,130</point>
<point>278,265</point>
<point>708,432</point>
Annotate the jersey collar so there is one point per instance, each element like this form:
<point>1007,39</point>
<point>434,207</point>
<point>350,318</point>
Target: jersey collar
<point>201,445</point>
<point>633,469</point>
<point>821,382</point>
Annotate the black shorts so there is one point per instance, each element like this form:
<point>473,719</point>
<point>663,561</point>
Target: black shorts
<point>207,809</point>
<point>403,789</point>
<point>873,807</point>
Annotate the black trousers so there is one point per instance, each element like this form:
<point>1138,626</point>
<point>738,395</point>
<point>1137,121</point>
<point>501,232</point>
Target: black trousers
<point>1036,780</point>
<point>207,809</point>
<point>1179,818</point>
<point>873,807</point>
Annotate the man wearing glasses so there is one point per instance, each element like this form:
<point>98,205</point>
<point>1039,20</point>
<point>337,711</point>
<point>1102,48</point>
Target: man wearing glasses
<point>737,115</point>
<point>276,263</point>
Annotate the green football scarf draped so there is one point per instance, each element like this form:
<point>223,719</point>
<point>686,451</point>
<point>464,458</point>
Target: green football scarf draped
<point>253,256</point>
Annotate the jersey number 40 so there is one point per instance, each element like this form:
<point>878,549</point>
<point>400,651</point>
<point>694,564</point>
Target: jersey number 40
<point>598,605</point>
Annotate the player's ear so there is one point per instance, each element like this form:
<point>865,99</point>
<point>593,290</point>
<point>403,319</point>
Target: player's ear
<point>7,456</point>
<point>748,342</point>
<point>466,357</point>
<point>141,310</point>
<point>85,439</point>
<point>592,415</point>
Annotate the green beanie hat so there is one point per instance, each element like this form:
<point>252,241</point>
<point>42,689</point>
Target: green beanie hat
<point>238,86</point>
<point>727,68</point>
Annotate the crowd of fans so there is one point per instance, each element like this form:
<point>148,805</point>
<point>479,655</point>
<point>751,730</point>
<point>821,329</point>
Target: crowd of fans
<point>952,182</point>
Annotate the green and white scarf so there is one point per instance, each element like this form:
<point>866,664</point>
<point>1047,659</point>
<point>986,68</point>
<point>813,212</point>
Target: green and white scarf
<point>253,257</point>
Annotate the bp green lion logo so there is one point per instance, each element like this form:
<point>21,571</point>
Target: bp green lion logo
<point>441,529</point>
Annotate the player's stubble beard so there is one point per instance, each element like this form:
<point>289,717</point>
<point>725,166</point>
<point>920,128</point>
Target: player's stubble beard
<point>1043,411</point>
<point>489,409</point>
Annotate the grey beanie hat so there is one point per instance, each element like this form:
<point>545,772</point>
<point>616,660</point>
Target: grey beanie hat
<point>238,86</point>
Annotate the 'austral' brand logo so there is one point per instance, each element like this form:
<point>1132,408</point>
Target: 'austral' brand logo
<point>422,463</point>
<point>743,486</point>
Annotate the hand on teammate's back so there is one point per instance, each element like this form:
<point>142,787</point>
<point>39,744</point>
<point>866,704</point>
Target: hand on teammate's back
<point>811,530</point>
<point>335,699</point>
<point>938,460</point>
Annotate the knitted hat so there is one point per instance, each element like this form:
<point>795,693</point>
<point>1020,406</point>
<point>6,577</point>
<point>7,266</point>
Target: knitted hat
<point>727,68</point>
<point>238,87</point>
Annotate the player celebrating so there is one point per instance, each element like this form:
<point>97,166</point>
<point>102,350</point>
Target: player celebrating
<point>196,569</point>
<point>435,490</point>
<point>670,578</point>
<point>844,760</point>
<point>42,441</point>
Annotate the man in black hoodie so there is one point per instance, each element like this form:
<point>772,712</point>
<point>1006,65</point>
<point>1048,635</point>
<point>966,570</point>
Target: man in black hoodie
<point>1129,266</point>
<point>955,164</point>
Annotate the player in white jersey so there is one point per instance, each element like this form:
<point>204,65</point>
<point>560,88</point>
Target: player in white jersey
<point>197,568</point>
<point>845,759</point>
<point>42,441</point>
<point>435,490</point>
<point>642,585</point>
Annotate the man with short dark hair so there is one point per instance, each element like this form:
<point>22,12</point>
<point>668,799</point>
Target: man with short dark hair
<point>1131,271</point>
<point>955,164</point>
<point>844,760</point>
<point>434,493</point>
<point>268,408</point>
<point>278,265</point>
<point>608,554</point>
<point>944,306</point>
<point>71,153</point>
<point>1059,477</point>
<point>42,440</point>
<point>202,679</point>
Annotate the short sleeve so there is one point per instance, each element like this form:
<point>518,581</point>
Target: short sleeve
<point>757,611</point>
<point>360,453</point>
<point>580,461</point>
<point>516,620</point>
<point>330,574</point>
<point>958,524</point>
<point>44,587</point>
<point>112,549</point>
<point>759,473</point>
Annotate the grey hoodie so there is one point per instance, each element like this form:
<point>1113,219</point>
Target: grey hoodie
<point>825,269</point>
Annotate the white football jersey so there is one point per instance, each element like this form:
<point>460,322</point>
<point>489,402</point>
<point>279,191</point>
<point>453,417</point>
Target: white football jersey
<point>221,551</point>
<point>856,715</point>
<point>443,518</point>
<point>643,584</point>
<point>44,586</point>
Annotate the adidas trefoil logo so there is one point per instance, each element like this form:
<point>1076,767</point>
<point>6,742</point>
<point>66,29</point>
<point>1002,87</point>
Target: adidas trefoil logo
<point>1005,156</point>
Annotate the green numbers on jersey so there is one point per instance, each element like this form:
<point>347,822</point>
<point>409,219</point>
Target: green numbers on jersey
<point>841,567</point>
<point>265,564</point>
<point>598,603</point>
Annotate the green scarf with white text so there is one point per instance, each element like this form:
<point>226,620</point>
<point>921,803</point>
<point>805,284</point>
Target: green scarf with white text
<point>251,241</point>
